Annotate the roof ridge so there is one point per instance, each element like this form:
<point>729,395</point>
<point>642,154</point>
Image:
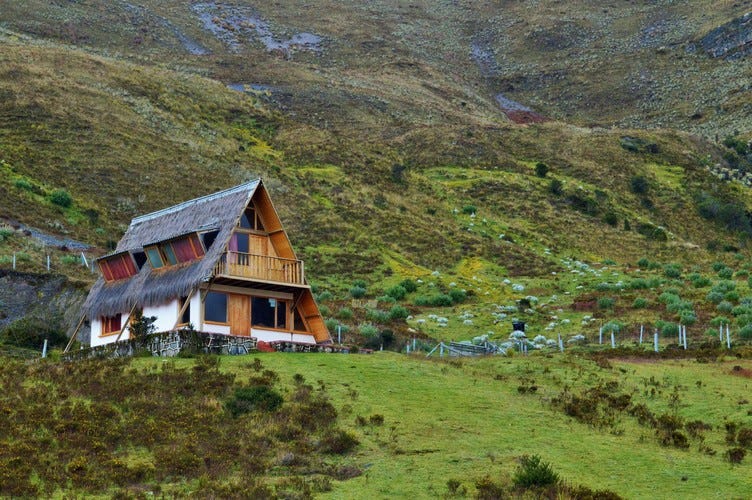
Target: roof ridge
<point>180,206</point>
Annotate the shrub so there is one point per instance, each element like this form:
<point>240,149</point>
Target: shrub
<point>541,169</point>
<point>357,292</point>
<point>639,184</point>
<point>731,296</point>
<point>324,310</point>
<point>725,306</point>
<point>409,285</point>
<point>345,313</point>
<point>377,315</point>
<point>611,218</point>
<point>746,332</point>
<point>736,455</point>
<point>719,320</point>
<point>714,297</point>
<point>338,442</point>
<point>255,398</point>
<point>700,281</point>
<point>643,263</point>
<point>672,271</point>
<point>534,473</point>
<point>669,297</point>
<point>61,197</point>
<point>439,300</point>
<point>667,328</point>
<point>30,332</point>
<point>398,312</point>
<point>652,232</point>
<point>469,209</point>
<point>687,317</point>
<point>397,292</point>
<point>361,283</point>
<point>5,234</point>
<point>726,273</point>
<point>640,303</point>
<point>324,296</point>
<point>457,295</point>
<point>605,303</point>
<point>732,214</point>
<point>556,187</point>
<point>368,329</point>
<point>386,299</point>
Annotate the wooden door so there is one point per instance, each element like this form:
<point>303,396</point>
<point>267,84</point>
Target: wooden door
<point>240,315</point>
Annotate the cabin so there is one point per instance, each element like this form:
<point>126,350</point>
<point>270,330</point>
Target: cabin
<point>222,264</point>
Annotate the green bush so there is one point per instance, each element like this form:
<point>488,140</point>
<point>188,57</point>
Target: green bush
<point>398,292</point>
<point>714,297</point>
<point>652,232</point>
<point>672,270</point>
<point>611,218</point>
<point>746,332</point>
<point>639,184</point>
<point>360,283</point>
<point>719,320</point>
<point>386,299</point>
<point>687,317</point>
<point>726,273</point>
<point>667,328</point>
<point>398,312</point>
<point>357,292</point>
<point>439,300</point>
<point>409,285</point>
<point>469,209</point>
<point>556,187</point>
<point>643,263</point>
<point>541,169</point>
<point>377,315</point>
<point>534,473</point>
<point>725,306</point>
<point>640,303</point>
<point>731,296</point>
<point>457,295</point>
<point>368,329</point>
<point>61,197</point>
<point>717,266</point>
<point>606,303</point>
<point>324,296</point>
<point>256,398</point>
<point>345,313</point>
<point>669,297</point>
<point>30,332</point>
<point>6,234</point>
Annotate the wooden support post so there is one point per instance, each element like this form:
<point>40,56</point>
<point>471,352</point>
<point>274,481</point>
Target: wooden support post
<point>655,341</point>
<point>182,309</point>
<point>642,328</point>
<point>127,322</point>
<point>600,335</point>
<point>613,340</point>
<point>75,332</point>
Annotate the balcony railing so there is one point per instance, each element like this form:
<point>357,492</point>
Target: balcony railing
<point>260,267</point>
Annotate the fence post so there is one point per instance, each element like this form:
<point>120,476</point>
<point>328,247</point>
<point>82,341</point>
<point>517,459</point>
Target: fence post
<point>600,335</point>
<point>655,341</point>
<point>561,344</point>
<point>14,261</point>
<point>728,338</point>
<point>613,340</point>
<point>48,263</point>
<point>642,327</point>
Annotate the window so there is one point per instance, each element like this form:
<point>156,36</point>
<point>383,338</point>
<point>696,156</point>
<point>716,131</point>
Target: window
<point>271,313</point>
<point>209,238</point>
<point>215,307</point>
<point>111,324</point>
<point>187,249</point>
<point>298,323</point>
<point>117,267</point>
<point>140,258</point>
<point>186,317</point>
<point>239,243</point>
<point>169,254</point>
<point>251,220</point>
<point>155,258</point>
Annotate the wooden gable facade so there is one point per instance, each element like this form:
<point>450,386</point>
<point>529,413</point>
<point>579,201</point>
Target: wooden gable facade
<point>222,263</point>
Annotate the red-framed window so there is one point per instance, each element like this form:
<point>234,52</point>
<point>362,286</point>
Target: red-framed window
<point>118,267</point>
<point>111,324</point>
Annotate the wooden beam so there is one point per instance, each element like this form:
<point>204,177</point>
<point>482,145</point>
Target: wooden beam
<point>127,322</point>
<point>182,309</point>
<point>75,332</point>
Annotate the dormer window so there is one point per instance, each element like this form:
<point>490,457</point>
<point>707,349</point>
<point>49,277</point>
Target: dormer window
<point>118,267</point>
<point>171,253</point>
<point>251,220</point>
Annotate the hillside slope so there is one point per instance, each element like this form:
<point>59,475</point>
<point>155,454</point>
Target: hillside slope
<point>387,65</point>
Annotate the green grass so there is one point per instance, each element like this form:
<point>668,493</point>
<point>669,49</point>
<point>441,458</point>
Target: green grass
<point>466,419</point>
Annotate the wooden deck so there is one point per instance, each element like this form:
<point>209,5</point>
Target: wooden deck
<point>261,267</point>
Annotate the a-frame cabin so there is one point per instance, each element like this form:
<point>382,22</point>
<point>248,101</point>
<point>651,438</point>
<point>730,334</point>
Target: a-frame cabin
<point>221,263</point>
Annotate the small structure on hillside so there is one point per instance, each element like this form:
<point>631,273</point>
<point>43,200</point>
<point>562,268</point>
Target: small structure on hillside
<point>222,263</point>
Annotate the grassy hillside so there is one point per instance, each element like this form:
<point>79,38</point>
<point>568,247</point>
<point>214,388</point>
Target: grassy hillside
<point>90,141</point>
<point>375,426</point>
<point>386,65</point>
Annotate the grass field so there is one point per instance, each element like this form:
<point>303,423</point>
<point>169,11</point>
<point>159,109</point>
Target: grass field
<point>465,419</point>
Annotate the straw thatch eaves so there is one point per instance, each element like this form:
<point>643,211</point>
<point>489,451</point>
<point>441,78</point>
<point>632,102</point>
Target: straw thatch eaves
<point>219,211</point>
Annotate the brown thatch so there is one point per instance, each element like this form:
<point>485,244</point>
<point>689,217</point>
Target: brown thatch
<point>152,287</point>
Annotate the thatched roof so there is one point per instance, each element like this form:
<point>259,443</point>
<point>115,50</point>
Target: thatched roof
<point>152,287</point>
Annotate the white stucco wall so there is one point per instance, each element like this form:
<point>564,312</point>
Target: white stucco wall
<point>211,328</point>
<point>96,337</point>
<point>166,315</point>
<point>271,335</point>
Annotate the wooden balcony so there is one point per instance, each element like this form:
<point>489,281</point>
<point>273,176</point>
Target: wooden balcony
<point>261,268</point>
